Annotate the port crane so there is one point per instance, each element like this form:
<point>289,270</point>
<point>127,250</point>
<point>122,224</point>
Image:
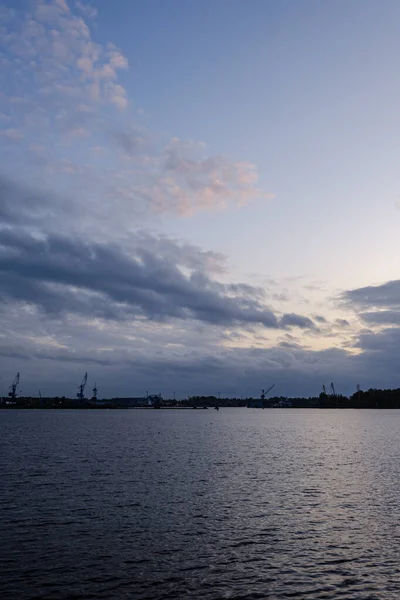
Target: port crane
<point>81,393</point>
<point>264,393</point>
<point>13,387</point>
<point>94,397</point>
<point>332,391</point>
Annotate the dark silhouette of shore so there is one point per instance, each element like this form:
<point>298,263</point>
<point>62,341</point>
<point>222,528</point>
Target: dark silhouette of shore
<point>372,399</point>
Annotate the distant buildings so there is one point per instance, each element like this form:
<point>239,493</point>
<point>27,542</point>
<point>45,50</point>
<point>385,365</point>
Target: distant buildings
<point>135,402</point>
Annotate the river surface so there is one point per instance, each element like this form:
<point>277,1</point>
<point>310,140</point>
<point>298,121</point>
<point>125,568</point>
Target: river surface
<point>240,503</point>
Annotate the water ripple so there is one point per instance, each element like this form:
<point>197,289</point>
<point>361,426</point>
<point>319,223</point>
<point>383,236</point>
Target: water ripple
<point>246,504</point>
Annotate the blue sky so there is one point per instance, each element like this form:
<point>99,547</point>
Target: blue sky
<point>199,195</point>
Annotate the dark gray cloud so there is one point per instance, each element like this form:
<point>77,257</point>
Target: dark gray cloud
<point>234,372</point>
<point>379,361</point>
<point>162,317</point>
<point>19,204</point>
<point>386,295</point>
<point>196,367</point>
<point>342,323</point>
<point>290,345</point>
<point>295,371</point>
<point>148,310</point>
<point>320,319</point>
<point>375,304</point>
<point>384,342</point>
<point>382,317</point>
<point>293,320</point>
<point>59,355</point>
<point>60,274</point>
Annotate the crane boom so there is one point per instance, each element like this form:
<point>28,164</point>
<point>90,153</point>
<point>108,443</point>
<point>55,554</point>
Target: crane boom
<point>264,393</point>
<point>13,387</point>
<point>81,388</point>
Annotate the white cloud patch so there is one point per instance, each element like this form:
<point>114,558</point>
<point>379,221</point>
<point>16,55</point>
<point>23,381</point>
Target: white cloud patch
<point>60,89</point>
<point>87,10</point>
<point>56,64</point>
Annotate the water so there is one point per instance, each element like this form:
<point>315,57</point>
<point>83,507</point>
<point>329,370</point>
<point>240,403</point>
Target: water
<point>199,504</point>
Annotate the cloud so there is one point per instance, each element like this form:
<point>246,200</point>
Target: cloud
<point>86,10</point>
<point>382,317</point>
<point>59,274</point>
<point>385,295</point>
<point>191,181</point>
<point>59,355</point>
<point>180,178</point>
<point>376,304</point>
<point>290,345</point>
<point>237,372</point>
<point>60,86</point>
<point>21,205</point>
<point>379,357</point>
<point>154,308</point>
<point>187,255</point>
<point>55,66</point>
<point>293,320</point>
<point>380,342</point>
<point>150,355</point>
<point>82,281</point>
<point>320,319</point>
<point>342,323</point>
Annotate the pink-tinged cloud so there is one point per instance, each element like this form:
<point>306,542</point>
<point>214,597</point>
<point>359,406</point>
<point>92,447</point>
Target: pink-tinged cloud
<point>192,183</point>
<point>70,82</point>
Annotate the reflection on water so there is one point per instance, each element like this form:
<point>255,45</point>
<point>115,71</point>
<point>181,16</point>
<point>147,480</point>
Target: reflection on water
<point>238,503</point>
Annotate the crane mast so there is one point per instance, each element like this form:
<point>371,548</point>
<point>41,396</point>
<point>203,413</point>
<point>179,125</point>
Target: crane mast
<point>81,388</point>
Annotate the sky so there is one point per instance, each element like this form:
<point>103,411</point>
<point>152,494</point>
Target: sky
<point>199,197</point>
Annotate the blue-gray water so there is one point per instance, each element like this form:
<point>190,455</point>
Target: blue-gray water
<point>199,504</point>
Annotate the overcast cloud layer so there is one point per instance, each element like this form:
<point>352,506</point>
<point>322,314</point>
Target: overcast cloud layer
<point>88,281</point>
